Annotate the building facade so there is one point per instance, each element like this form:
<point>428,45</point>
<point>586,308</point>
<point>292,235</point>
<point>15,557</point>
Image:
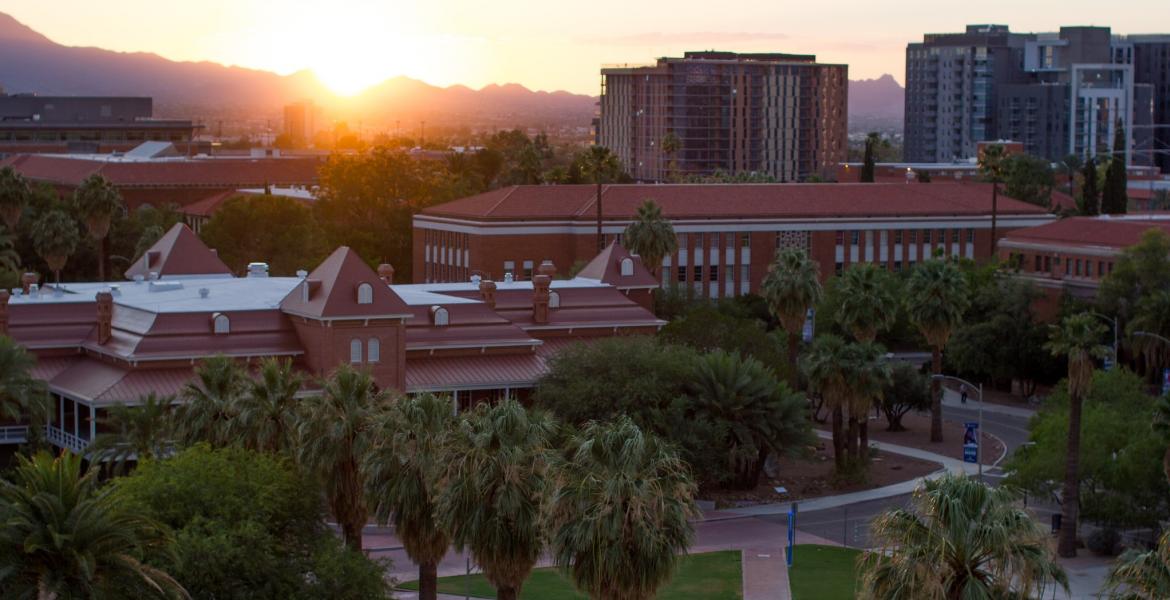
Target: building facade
<point>781,115</point>
<point>727,234</point>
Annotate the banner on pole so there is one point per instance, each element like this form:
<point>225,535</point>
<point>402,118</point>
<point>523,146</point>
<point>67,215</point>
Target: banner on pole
<point>971,442</point>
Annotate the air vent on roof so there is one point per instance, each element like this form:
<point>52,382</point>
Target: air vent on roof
<point>508,277</point>
<point>301,273</point>
<point>204,292</point>
<point>258,269</point>
<point>165,286</point>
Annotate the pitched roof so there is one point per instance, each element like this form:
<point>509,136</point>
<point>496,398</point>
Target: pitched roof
<point>710,201</point>
<point>201,172</point>
<point>178,252</point>
<point>332,291</point>
<point>1087,231</point>
<point>606,267</point>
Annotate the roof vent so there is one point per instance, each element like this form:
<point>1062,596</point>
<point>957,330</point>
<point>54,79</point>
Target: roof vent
<point>508,277</point>
<point>138,278</point>
<point>301,273</point>
<point>34,290</point>
<point>257,269</point>
<point>204,292</point>
<point>154,275</point>
<point>116,290</point>
<point>165,286</point>
<point>475,279</point>
<point>17,292</point>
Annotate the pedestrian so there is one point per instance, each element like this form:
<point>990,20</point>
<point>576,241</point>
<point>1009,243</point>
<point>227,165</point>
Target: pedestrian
<point>963,393</point>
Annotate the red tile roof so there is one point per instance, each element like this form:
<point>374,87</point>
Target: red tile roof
<point>473,372</point>
<point>1087,231</point>
<point>206,172</point>
<point>606,267</point>
<point>207,206</point>
<point>106,384</point>
<point>178,252</point>
<point>333,291</point>
<point>713,201</point>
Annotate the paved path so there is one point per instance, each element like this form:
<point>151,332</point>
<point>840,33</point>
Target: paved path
<point>951,399</point>
<point>765,574</point>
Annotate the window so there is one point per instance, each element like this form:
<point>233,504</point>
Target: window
<point>854,236</point>
<point>745,274</point>
<point>682,273</point>
<point>627,267</point>
<point>970,236</point>
<point>840,238</point>
<point>745,240</point>
<point>220,323</point>
<point>913,236</point>
<point>839,268</point>
<point>528,269</point>
<point>509,266</point>
<point>698,273</point>
<point>1100,268</point>
<point>898,236</point>
<point>1036,263</point>
<point>713,272</point>
<point>365,294</point>
<point>1078,269</point>
<point>926,236</point>
<point>554,300</point>
<point>897,265</point>
<point>374,350</point>
<point>698,240</point>
<point>439,316</point>
<point>1047,264</point>
<point>355,351</point>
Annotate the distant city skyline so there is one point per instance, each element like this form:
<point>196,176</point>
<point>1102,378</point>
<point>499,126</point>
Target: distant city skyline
<point>352,44</point>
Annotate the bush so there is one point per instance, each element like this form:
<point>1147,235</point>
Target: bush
<point>1104,541</point>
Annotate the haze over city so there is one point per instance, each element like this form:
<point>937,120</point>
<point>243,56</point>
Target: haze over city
<point>352,44</point>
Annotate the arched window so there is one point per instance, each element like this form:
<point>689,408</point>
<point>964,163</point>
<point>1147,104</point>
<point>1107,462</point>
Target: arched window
<point>627,267</point>
<point>220,323</point>
<point>365,294</point>
<point>439,316</point>
<point>373,350</point>
<point>554,300</point>
<point>355,351</point>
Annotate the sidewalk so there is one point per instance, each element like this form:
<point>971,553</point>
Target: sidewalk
<point>950,399</point>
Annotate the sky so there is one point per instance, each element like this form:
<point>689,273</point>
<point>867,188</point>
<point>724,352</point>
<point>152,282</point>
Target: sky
<point>544,45</point>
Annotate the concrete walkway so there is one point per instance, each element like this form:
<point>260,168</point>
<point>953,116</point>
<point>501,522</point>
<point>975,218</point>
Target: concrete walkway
<point>765,574</point>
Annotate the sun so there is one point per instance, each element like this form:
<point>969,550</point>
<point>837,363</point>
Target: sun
<point>347,77</point>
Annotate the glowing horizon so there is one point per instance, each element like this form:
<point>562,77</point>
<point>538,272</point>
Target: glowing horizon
<point>353,44</point>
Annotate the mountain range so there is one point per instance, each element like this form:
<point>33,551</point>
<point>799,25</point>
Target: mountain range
<point>34,63</point>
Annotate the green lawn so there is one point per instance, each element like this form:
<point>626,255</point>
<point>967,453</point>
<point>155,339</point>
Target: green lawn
<point>709,576</point>
<point>823,572</point>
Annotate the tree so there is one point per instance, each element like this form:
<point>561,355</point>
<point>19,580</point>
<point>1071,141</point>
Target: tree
<point>620,514</point>
<point>403,478</point>
<point>64,537</point>
<point>867,167</point>
<point>1152,316</point>
<point>670,147</point>
<point>1069,165</point>
<point>1142,575</point>
<point>1114,200</point>
<point>140,432</point>
<point>151,234</point>
<point>279,230</point>
<point>1029,179</point>
<point>211,402</point>
<point>1077,338</point>
<point>752,413</point>
<point>21,394</point>
<point>936,296</point>
<point>651,236</point>
<point>494,503</point>
<point>97,202</point>
<point>1090,205</point>
<point>55,237</point>
<point>1162,427</point>
<point>14,196</point>
<point>959,539</point>
<point>601,166</point>
<point>822,368</point>
<point>1142,269</point>
<point>907,390</point>
<point>9,258</point>
<point>336,429</point>
<point>992,168</point>
<point>247,525</point>
<point>868,306</point>
<point>265,415</point>
<point>792,287</point>
<point>707,327</point>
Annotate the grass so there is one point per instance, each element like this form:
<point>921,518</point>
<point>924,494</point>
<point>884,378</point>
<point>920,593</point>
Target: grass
<point>823,572</point>
<point>708,576</point>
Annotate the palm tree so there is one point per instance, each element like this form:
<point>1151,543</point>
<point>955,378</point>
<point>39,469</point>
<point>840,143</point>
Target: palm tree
<point>335,429</point>
<point>992,163</point>
<point>792,287</point>
<point>211,402</point>
<point>620,512</point>
<point>1162,426</point>
<point>754,413</point>
<point>936,297</point>
<point>14,195</point>
<point>651,236</point>
<point>821,367</point>
<point>1152,315</point>
<point>867,373</point>
<point>1142,575</point>
<point>1079,339</point>
<point>55,237</point>
<point>21,395</point>
<point>868,306</point>
<point>494,502</point>
<point>97,202</point>
<point>958,539</point>
<point>403,476</point>
<point>265,420</point>
<point>64,537</point>
<point>9,258</point>
<point>601,166</point>
<point>139,433</point>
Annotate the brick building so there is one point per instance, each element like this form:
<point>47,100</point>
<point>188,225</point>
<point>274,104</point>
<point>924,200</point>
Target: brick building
<point>728,234</point>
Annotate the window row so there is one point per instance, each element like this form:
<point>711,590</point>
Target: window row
<point>372,347</point>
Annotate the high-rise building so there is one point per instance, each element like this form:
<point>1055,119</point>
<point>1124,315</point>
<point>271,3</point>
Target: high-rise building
<point>781,115</point>
<point>1151,65</point>
<point>302,121</point>
<point>1057,93</point>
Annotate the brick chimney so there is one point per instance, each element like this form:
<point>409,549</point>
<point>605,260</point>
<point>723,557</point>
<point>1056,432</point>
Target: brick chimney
<point>386,273</point>
<point>105,316</point>
<point>4,312</point>
<point>547,268</point>
<point>487,290</point>
<point>27,280</point>
<point>540,285</point>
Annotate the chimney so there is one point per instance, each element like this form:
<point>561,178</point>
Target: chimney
<point>4,312</point>
<point>487,290</point>
<point>105,316</point>
<point>386,273</point>
<point>27,280</point>
<point>547,268</point>
<point>540,285</point>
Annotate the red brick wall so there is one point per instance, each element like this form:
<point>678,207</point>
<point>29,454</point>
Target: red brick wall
<point>327,345</point>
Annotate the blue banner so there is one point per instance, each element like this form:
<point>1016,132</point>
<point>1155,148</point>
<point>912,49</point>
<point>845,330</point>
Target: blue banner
<point>971,443</point>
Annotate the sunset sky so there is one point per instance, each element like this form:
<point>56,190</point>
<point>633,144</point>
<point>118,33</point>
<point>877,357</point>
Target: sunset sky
<point>544,45</point>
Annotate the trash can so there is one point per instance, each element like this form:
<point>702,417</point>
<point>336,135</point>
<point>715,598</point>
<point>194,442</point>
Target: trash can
<point>1056,522</point>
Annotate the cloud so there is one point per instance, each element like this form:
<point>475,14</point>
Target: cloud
<point>697,38</point>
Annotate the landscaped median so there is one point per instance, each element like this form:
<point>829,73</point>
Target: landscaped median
<point>823,572</point>
<point>708,576</point>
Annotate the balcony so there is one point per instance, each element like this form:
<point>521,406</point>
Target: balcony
<point>63,439</point>
<point>13,434</point>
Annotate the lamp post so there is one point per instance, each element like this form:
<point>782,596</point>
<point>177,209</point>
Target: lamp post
<point>978,440</point>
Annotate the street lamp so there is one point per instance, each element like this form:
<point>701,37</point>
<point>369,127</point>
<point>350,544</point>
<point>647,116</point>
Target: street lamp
<point>1153,335</point>
<point>978,440</point>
